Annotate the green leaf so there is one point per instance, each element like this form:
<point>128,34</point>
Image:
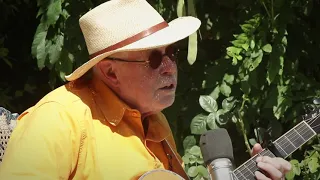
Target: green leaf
<point>267,48</point>
<point>290,175</point>
<point>198,124</point>
<point>228,103</point>
<point>203,171</point>
<point>228,78</point>
<point>252,141</point>
<point>188,142</point>
<point>238,43</point>
<point>181,10</point>
<point>275,67</point>
<point>65,14</point>
<point>64,66</point>
<point>295,170</point>
<point>234,50</point>
<point>193,159</point>
<point>208,103</point>
<point>215,93</point>
<point>56,49</point>
<point>193,171</point>
<point>313,165</point>
<point>316,147</point>
<point>39,37</point>
<point>186,159</point>
<point>252,44</point>
<point>211,121</point>
<point>242,36</point>
<point>53,13</point>
<point>41,51</point>
<point>225,89</point>
<point>246,28</point>
<point>198,177</point>
<point>245,46</point>
<point>195,150</point>
<point>200,160</point>
<point>256,61</point>
<point>283,101</point>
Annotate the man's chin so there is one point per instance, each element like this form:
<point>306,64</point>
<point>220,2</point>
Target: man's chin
<point>167,101</point>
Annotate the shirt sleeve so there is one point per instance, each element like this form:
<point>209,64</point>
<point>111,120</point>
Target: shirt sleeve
<point>42,146</point>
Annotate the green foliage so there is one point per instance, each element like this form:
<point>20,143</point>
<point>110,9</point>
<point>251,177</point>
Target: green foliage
<point>258,84</point>
<point>254,68</point>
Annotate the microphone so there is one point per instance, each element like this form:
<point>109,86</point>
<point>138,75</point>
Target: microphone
<point>217,152</point>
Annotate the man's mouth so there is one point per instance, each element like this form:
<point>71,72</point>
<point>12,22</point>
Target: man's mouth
<point>169,87</point>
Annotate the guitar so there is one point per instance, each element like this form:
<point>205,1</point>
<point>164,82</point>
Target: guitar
<point>282,147</point>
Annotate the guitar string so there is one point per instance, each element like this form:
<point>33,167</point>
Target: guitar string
<point>294,138</point>
<point>250,163</point>
<point>306,127</point>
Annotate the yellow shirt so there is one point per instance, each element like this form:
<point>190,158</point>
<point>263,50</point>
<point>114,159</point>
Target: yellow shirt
<point>84,131</point>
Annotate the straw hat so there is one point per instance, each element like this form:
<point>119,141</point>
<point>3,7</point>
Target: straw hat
<point>128,25</point>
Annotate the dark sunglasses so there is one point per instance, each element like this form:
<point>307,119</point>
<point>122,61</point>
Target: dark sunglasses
<point>155,57</point>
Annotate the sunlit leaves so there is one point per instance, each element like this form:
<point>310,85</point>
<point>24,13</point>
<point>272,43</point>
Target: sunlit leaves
<point>39,45</point>
<point>267,48</point>
<point>188,142</point>
<point>295,170</point>
<point>198,124</point>
<point>228,103</point>
<point>208,103</point>
<point>211,120</point>
<point>225,89</point>
<point>55,49</point>
<point>53,13</point>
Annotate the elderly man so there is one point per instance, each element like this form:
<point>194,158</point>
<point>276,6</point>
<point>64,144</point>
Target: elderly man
<point>110,125</point>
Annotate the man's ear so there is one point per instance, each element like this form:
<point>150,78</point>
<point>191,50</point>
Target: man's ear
<point>107,73</point>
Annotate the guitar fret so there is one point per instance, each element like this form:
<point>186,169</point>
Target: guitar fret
<point>284,154</point>
<point>290,142</point>
<point>283,146</point>
<point>294,130</point>
<point>239,172</point>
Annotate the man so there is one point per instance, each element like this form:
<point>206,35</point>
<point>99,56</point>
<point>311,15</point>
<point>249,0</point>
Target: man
<point>110,126</point>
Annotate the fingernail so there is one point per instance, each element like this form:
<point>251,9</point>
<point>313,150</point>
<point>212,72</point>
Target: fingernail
<point>259,164</point>
<point>258,159</point>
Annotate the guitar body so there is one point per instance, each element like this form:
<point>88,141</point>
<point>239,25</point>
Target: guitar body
<point>160,174</point>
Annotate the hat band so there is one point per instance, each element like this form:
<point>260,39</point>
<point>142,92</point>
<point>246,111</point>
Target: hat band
<point>132,39</point>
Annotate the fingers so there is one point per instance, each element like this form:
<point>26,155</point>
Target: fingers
<point>256,149</point>
<point>279,163</point>
<point>274,167</point>
<point>260,176</point>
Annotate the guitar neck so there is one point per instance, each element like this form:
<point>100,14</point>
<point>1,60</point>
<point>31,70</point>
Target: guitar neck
<point>282,147</point>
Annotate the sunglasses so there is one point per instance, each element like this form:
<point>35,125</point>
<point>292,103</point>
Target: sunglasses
<point>155,57</point>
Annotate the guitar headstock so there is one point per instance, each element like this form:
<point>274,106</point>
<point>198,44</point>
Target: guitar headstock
<point>313,119</point>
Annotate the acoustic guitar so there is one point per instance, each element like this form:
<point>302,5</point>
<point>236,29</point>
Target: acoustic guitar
<point>282,147</point>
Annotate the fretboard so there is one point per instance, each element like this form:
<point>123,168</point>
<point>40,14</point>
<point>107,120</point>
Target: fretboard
<point>283,147</point>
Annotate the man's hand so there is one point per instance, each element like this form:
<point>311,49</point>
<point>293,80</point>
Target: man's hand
<point>276,168</point>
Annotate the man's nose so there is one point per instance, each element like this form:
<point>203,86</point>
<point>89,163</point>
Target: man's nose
<point>168,67</point>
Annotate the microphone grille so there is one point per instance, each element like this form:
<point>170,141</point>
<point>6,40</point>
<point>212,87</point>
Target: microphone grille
<point>216,144</point>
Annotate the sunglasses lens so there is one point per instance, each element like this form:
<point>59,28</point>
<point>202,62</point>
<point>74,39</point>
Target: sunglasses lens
<point>155,59</point>
<point>171,52</point>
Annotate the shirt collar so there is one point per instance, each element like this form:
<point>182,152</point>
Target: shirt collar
<point>113,110</point>
<point>111,106</point>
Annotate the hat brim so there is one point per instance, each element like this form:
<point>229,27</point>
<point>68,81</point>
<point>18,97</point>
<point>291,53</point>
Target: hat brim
<point>177,30</point>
